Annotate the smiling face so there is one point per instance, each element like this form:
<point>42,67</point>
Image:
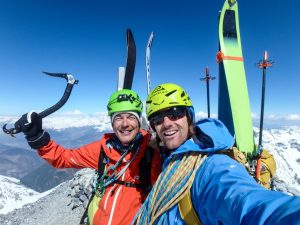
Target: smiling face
<point>173,132</point>
<point>126,127</point>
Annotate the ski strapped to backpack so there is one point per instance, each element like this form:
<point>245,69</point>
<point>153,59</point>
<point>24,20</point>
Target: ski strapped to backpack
<point>130,60</point>
<point>148,50</point>
<point>233,101</point>
<point>125,76</point>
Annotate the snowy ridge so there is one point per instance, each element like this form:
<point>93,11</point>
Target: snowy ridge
<point>14,195</point>
<point>284,144</point>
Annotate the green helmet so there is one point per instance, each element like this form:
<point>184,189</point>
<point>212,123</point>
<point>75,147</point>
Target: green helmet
<point>166,96</point>
<point>124,100</point>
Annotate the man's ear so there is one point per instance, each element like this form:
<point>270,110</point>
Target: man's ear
<point>191,131</point>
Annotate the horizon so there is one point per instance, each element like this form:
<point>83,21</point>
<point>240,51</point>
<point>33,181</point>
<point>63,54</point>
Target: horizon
<point>87,40</point>
<point>63,120</point>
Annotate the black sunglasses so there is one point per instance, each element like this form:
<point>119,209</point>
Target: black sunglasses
<point>173,114</point>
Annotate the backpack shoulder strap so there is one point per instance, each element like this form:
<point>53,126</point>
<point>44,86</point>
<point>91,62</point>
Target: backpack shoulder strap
<point>101,162</point>
<point>145,170</point>
<point>100,171</point>
<point>187,211</point>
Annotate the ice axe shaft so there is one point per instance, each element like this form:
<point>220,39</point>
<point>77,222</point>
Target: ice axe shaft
<point>70,83</point>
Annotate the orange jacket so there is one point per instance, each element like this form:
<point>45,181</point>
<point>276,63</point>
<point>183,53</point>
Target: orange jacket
<point>119,204</point>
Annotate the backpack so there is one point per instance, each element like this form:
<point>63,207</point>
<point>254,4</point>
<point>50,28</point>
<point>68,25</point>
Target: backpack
<point>267,171</point>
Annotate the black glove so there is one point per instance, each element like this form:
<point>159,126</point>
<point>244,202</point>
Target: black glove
<point>31,125</point>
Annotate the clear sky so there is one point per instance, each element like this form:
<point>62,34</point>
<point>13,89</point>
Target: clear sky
<point>87,39</point>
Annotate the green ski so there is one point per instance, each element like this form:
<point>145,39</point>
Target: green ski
<point>233,101</point>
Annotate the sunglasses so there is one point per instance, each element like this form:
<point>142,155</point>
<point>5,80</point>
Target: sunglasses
<point>173,114</point>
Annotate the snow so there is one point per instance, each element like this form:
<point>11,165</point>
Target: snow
<point>14,195</point>
<point>284,144</point>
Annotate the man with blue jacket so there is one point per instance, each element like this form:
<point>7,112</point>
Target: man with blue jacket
<point>220,189</point>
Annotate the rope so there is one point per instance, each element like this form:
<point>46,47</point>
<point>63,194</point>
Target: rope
<point>172,185</point>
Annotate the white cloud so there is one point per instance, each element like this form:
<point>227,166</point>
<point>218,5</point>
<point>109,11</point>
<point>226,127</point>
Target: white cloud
<point>101,120</point>
<point>293,117</point>
<point>254,115</point>
<point>273,117</point>
<point>72,113</point>
<point>201,115</point>
<point>99,114</point>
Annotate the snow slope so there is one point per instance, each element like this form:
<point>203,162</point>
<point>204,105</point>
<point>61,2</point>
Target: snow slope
<point>14,195</point>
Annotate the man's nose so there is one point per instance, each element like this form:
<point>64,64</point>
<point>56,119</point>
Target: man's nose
<point>166,121</point>
<point>124,122</point>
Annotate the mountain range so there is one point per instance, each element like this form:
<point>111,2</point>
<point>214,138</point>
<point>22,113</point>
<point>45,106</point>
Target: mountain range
<point>61,200</point>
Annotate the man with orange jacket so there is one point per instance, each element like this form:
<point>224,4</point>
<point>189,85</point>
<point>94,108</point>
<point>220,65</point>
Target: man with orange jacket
<point>119,192</point>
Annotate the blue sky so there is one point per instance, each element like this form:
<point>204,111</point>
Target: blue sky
<point>87,39</point>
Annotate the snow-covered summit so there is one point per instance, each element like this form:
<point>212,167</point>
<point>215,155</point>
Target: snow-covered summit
<point>14,195</point>
<point>284,144</point>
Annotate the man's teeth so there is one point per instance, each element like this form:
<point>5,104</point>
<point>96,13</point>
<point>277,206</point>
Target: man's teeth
<point>125,131</point>
<point>169,133</point>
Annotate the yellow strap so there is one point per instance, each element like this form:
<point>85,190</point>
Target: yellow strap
<point>187,211</point>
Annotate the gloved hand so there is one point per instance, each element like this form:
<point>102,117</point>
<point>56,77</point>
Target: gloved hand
<point>31,125</point>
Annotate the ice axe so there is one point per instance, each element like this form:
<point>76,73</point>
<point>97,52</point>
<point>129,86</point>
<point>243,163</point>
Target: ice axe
<point>70,83</point>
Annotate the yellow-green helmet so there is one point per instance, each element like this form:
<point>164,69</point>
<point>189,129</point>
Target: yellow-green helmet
<point>166,96</point>
<point>124,100</point>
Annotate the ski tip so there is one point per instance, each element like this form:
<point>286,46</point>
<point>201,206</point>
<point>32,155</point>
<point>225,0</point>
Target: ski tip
<point>129,34</point>
<point>150,40</point>
<point>130,38</point>
<point>231,2</point>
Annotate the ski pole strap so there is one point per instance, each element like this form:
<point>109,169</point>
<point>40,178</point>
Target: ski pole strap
<point>220,57</point>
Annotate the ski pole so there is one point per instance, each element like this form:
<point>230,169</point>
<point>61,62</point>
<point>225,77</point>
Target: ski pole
<point>262,64</point>
<point>207,78</point>
<point>70,83</point>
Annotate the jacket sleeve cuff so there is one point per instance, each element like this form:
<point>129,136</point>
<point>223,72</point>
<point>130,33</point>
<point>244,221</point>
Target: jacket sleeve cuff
<point>42,139</point>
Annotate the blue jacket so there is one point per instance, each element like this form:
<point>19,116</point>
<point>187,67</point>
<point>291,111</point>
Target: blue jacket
<point>224,193</point>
